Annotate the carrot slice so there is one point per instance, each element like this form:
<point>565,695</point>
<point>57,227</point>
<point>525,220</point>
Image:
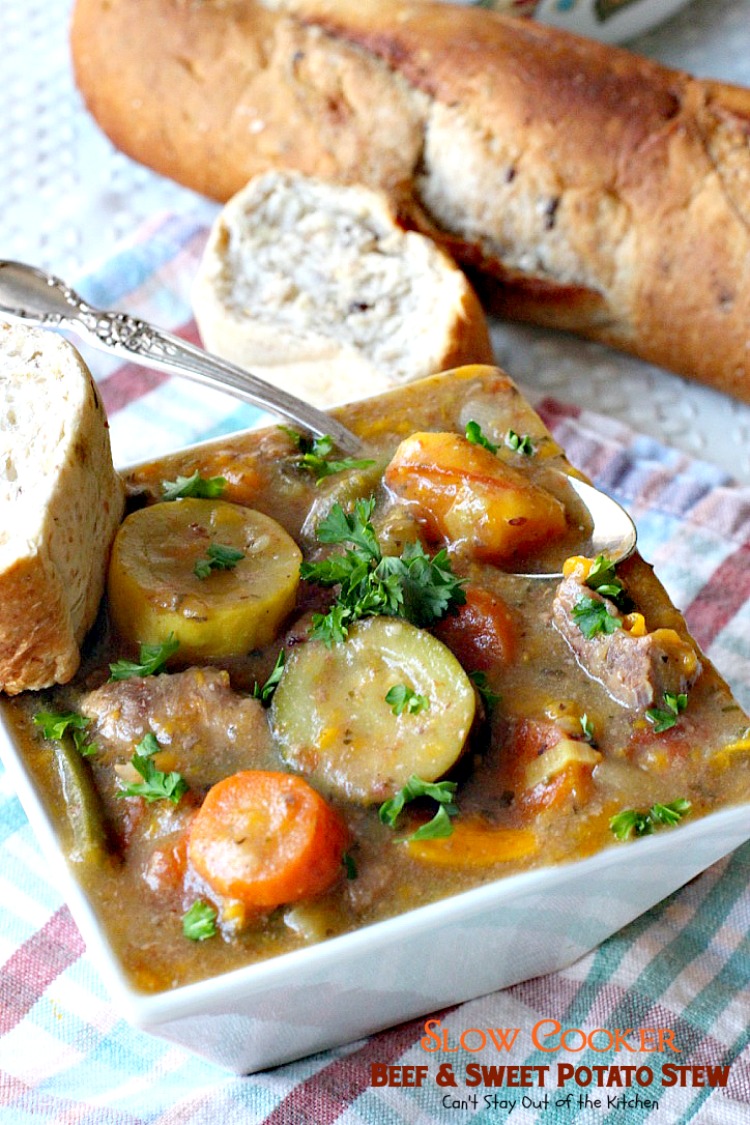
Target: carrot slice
<point>267,838</point>
<point>462,493</point>
<point>530,741</point>
<point>475,844</point>
<point>481,633</point>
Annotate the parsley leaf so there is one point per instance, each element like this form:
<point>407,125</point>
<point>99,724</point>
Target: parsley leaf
<point>56,726</point>
<point>628,822</point>
<point>634,822</point>
<point>429,586</point>
<point>481,683</point>
<point>587,728</point>
<point>199,922</point>
<point>401,698</point>
<point>412,586</point>
<point>265,692</point>
<point>476,437</point>
<point>670,814</point>
<point>439,827</point>
<point>440,791</point>
<point>156,785</point>
<point>218,557</point>
<point>518,443</point>
<point>603,579</point>
<point>350,865</point>
<point>355,527</point>
<point>592,617</point>
<point>151,659</point>
<point>205,488</point>
<point>664,719</point>
<point>148,745</point>
<point>315,456</point>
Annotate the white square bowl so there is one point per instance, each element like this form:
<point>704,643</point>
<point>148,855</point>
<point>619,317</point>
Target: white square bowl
<point>359,983</point>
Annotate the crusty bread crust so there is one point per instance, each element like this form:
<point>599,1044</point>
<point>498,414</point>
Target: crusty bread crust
<point>317,288</point>
<point>62,503</point>
<point>592,190</point>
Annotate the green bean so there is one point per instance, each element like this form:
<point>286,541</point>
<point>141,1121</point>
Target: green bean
<point>88,832</point>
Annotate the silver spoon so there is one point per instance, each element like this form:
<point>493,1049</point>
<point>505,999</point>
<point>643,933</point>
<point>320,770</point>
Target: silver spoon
<point>613,533</point>
<point>32,296</point>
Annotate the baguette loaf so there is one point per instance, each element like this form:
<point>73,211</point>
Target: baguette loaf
<point>592,190</point>
<point>62,502</point>
<point>315,287</point>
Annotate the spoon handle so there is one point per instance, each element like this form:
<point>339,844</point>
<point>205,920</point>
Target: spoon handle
<point>47,301</point>
<point>143,343</point>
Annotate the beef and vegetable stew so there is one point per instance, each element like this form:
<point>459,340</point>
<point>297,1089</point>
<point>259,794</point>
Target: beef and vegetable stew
<point>323,691</point>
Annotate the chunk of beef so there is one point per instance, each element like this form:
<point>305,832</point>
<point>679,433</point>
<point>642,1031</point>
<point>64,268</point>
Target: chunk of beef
<point>205,730</point>
<point>635,670</point>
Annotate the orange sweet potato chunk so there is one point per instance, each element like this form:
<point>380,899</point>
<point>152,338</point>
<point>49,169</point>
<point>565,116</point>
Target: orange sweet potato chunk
<point>462,493</point>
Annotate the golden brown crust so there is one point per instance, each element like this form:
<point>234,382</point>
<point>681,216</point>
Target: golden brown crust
<point>37,642</point>
<point>62,503</point>
<point>594,190</point>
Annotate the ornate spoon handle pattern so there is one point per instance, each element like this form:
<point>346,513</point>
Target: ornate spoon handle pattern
<point>30,295</point>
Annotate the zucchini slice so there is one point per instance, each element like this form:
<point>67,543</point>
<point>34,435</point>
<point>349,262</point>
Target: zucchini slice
<point>232,608</point>
<point>333,723</point>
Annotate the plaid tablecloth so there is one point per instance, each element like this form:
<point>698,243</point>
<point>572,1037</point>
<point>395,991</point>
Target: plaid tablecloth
<point>66,1056</point>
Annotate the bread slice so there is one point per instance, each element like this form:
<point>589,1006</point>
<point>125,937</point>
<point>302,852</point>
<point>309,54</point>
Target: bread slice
<point>61,502</point>
<point>316,287</point>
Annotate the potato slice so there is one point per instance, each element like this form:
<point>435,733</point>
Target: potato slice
<point>333,723</point>
<point>564,754</point>
<point>463,493</point>
<point>154,590</point>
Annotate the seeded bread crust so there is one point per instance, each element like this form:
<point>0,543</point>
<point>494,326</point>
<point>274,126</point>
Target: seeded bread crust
<point>590,189</point>
<point>317,288</point>
<point>62,502</point>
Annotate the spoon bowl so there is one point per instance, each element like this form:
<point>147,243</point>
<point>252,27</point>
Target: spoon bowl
<point>611,533</point>
<point>31,296</point>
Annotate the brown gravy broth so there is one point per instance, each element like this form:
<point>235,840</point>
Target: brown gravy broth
<point>513,823</point>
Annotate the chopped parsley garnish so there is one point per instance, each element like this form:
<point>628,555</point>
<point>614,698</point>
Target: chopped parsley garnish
<point>592,617</point>
<point>315,456</point>
<point>265,692</point>
<point>156,785</point>
<point>56,726</point>
<point>666,717</point>
<point>489,697</point>
<point>151,659</point>
<point>204,488</point>
<point>414,586</point>
<point>199,922</point>
<point>634,822</point>
<point>519,443</point>
<point>587,728</point>
<point>148,745</point>
<point>671,814</point>
<point>218,557</point>
<point>350,865</point>
<point>440,791</point>
<point>401,698</point>
<point>603,579</point>
<point>476,437</point>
